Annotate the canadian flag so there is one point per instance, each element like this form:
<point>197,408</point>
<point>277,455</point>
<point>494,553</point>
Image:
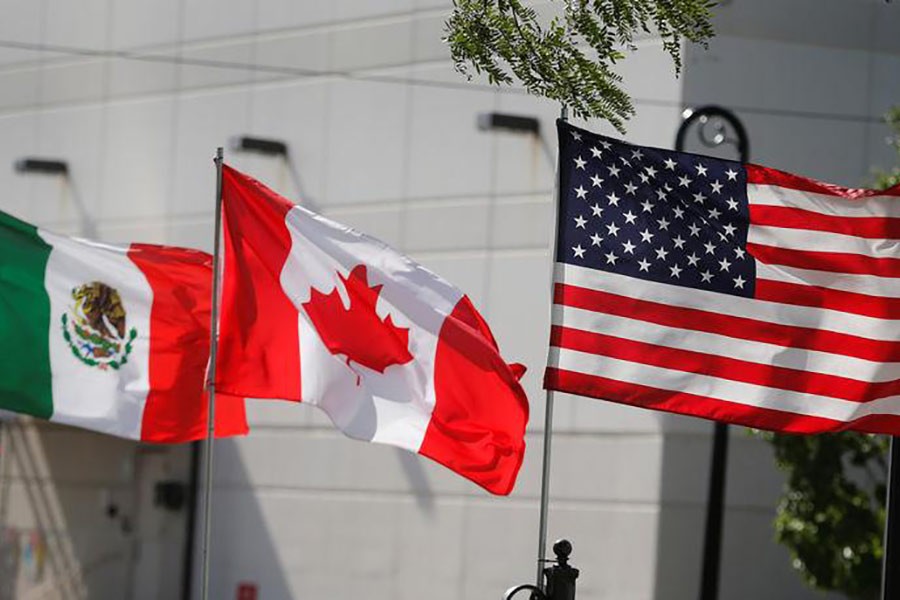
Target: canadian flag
<point>314,311</point>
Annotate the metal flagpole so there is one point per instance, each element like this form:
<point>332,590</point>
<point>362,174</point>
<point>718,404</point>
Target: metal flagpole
<point>890,580</point>
<point>548,410</point>
<point>210,381</point>
<point>715,503</point>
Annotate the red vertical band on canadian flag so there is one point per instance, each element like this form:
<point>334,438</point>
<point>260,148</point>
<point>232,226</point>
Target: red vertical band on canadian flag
<point>261,347</point>
<point>469,379</point>
<point>176,408</point>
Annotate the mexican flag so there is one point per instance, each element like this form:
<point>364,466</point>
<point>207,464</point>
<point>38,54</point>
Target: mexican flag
<point>108,338</point>
<point>313,311</point>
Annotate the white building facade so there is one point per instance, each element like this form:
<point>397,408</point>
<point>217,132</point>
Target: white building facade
<point>136,96</point>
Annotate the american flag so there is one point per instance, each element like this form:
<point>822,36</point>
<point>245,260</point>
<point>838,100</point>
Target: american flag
<point>727,291</point>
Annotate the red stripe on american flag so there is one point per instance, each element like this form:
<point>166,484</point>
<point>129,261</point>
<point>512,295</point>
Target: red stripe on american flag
<point>833,262</point>
<point>741,328</point>
<point>723,367</point>
<point>831,299</point>
<point>708,408</point>
<point>766,176</point>
<point>798,218</point>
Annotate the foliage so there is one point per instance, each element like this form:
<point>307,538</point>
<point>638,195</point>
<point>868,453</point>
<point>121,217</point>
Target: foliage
<point>831,515</point>
<point>570,57</point>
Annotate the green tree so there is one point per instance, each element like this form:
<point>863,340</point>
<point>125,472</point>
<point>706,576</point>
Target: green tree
<point>571,57</point>
<point>831,514</point>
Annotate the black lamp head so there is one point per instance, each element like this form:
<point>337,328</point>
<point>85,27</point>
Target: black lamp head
<point>47,166</point>
<point>515,123</point>
<point>245,143</point>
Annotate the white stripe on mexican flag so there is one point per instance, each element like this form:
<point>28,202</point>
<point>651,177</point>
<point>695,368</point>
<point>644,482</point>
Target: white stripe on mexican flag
<point>108,338</point>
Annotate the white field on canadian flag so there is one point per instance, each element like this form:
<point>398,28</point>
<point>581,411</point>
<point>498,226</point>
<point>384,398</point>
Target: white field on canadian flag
<point>394,407</point>
<point>107,400</point>
<point>692,336</point>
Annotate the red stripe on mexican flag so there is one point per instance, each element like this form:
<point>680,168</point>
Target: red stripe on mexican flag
<point>108,338</point>
<point>314,311</point>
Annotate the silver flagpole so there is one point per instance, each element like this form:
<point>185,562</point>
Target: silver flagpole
<point>548,411</point>
<point>211,381</point>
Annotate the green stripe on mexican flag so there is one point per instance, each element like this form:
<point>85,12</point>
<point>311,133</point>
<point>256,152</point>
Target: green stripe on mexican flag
<point>109,338</point>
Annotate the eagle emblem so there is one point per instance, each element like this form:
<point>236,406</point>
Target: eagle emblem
<point>95,327</point>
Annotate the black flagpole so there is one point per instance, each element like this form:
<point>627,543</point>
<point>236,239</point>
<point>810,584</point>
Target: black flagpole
<point>715,503</point>
<point>890,580</point>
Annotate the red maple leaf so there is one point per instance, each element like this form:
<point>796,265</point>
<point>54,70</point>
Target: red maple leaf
<point>358,332</point>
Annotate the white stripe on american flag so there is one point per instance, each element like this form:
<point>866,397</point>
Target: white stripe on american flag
<point>888,287</point>
<point>773,195</point>
<point>721,345</point>
<point>721,389</point>
<point>822,241</point>
<point>772,312</point>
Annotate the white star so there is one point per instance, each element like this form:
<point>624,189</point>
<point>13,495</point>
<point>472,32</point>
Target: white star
<point>596,152</point>
<point>598,211</point>
<point>695,231</point>
<point>637,155</point>
<point>676,271</point>
<point>596,239</point>
<point>644,264</point>
<point>679,212</point>
<point>714,213</point>
<point>724,265</point>
<point>661,194</point>
<point>611,258</point>
<point>630,188</point>
<point>739,253</point>
<point>614,171</point>
<point>701,170</point>
<point>578,250</point>
<point>693,259</point>
<point>606,145</point>
<point>596,180</point>
<point>732,175</point>
<point>625,161</point>
<point>613,199</point>
<point>699,198</point>
<point>579,163</point>
<point>710,247</point>
<point>661,253</point>
<point>580,222</point>
<point>684,181</point>
<point>722,236</point>
<point>670,164</point>
<point>646,236</point>
<point>628,247</point>
<point>739,282</point>
<point>613,229</point>
<point>716,187</point>
<point>651,171</point>
<point>707,276</point>
<point>576,135</point>
<point>630,217</point>
<point>581,192</point>
<point>663,224</point>
<point>678,241</point>
<point>646,206</point>
<point>732,204</point>
<point>729,229</point>
<point>644,178</point>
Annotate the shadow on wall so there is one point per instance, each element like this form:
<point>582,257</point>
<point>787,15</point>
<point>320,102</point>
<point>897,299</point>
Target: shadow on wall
<point>77,517</point>
<point>753,565</point>
<point>242,552</point>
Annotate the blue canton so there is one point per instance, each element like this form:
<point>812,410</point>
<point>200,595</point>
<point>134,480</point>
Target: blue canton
<point>654,214</point>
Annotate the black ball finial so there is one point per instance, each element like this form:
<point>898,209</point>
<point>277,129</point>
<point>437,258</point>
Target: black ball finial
<point>562,549</point>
